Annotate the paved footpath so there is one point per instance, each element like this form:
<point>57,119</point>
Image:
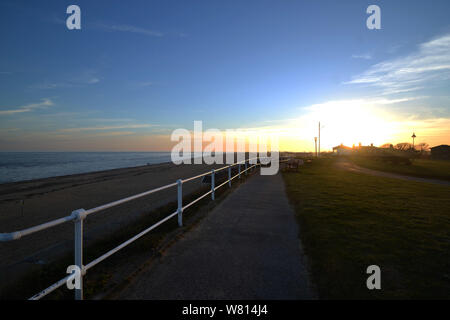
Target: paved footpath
<point>246,248</point>
<point>346,165</point>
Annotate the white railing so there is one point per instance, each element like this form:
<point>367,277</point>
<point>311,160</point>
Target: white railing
<point>79,215</point>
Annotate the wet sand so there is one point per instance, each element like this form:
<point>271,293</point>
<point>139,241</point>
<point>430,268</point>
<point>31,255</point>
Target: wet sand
<point>52,198</point>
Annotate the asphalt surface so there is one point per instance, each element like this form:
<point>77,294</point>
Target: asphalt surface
<point>346,165</point>
<point>246,248</point>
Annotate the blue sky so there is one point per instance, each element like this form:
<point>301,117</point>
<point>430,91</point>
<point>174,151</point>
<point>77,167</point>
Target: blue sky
<point>139,69</point>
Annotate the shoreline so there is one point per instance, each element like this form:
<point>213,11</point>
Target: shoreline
<point>43,181</point>
<point>30,203</point>
<point>62,176</point>
<point>24,167</point>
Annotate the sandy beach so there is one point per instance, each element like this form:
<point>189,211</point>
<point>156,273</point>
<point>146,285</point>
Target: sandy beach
<point>51,198</point>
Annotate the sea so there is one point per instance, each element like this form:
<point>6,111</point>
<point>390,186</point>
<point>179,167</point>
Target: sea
<point>22,166</point>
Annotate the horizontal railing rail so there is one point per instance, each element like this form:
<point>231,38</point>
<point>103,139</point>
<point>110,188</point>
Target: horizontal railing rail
<point>79,215</point>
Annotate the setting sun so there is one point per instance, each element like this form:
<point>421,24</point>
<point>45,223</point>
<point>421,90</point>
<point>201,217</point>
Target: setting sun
<point>352,122</point>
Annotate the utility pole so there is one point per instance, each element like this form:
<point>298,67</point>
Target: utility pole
<point>315,143</point>
<point>318,155</point>
<point>413,136</point>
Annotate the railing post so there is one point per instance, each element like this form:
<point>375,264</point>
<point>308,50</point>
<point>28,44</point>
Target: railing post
<point>229,176</point>
<point>246,167</point>
<point>212,184</point>
<point>180,202</point>
<point>79,218</point>
<point>239,170</point>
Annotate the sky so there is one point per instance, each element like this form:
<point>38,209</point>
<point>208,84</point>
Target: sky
<point>138,70</point>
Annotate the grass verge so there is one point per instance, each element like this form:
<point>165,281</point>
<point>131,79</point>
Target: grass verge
<point>349,221</point>
<point>423,168</point>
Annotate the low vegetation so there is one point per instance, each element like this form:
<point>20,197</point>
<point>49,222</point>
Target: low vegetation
<point>349,221</point>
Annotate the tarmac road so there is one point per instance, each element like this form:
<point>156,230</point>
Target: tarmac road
<point>246,248</point>
<point>346,165</point>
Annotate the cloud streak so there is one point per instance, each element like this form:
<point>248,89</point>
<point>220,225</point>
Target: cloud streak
<point>362,56</point>
<point>28,108</point>
<point>104,128</point>
<point>86,78</point>
<point>132,29</point>
<point>429,64</point>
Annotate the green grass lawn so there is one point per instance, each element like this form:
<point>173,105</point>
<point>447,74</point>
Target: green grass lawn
<point>434,169</point>
<point>349,221</point>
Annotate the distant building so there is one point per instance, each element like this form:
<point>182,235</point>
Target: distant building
<point>367,150</point>
<point>441,152</point>
<point>342,150</point>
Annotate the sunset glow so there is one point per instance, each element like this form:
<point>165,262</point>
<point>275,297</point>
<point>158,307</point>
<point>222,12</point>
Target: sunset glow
<point>119,99</point>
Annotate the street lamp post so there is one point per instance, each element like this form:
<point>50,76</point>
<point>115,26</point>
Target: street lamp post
<point>315,142</point>
<point>413,137</point>
<point>318,139</point>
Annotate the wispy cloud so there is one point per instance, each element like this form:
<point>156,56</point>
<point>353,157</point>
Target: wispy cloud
<point>430,63</point>
<point>111,120</point>
<point>383,101</point>
<point>6,130</point>
<point>395,90</point>
<point>92,80</point>
<point>114,133</point>
<point>104,128</point>
<point>366,56</point>
<point>131,29</point>
<point>86,78</point>
<point>28,108</point>
<point>52,85</point>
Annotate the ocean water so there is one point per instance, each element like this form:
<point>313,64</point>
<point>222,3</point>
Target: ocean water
<point>20,166</point>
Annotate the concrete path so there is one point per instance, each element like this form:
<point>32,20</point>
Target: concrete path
<point>246,248</point>
<point>346,165</point>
